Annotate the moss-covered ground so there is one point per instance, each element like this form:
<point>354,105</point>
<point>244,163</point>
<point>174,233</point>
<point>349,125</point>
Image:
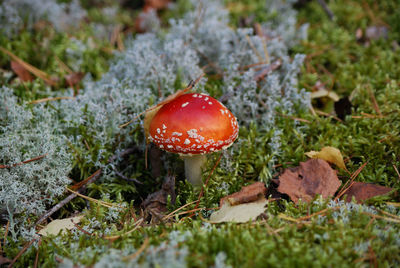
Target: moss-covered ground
<point>338,235</point>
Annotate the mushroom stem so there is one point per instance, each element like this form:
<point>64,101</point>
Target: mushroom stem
<point>193,166</point>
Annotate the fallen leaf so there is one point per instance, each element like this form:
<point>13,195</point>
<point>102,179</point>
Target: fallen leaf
<point>330,154</point>
<point>362,191</point>
<point>4,260</point>
<point>39,73</point>
<point>56,226</point>
<point>155,205</point>
<point>74,78</point>
<point>239,213</point>
<point>22,73</point>
<point>324,93</point>
<point>312,177</point>
<point>247,194</point>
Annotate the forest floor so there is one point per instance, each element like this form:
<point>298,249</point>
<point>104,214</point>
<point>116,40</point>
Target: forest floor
<point>125,218</point>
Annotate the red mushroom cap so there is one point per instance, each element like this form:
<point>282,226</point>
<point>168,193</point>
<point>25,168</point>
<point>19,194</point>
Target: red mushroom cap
<point>193,124</point>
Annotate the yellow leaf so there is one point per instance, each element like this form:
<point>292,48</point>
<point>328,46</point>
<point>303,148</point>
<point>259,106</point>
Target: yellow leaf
<point>239,213</point>
<point>324,93</point>
<point>329,154</point>
<point>56,226</point>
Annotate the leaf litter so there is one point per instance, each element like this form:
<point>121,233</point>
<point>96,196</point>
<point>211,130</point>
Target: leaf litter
<point>329,154</point>
<point>242,206</point>
<point>311,178</point>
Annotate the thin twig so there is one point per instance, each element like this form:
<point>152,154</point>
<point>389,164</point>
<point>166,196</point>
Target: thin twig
<point>122,176</point>
<point>92,179</point>
<point>24,162</point>
<point>37,253</point>
<point>27,245</point>
<point>326,9</point>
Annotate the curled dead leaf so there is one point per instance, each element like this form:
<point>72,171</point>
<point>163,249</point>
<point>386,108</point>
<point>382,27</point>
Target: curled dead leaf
<point>329,154</point>
<point>311,178</point>
<point>247,194</point>
<point>21,72</point>
<point>155,205</point>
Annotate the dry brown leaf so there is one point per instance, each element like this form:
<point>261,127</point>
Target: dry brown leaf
<point>4,260</point>
<point>239,213</point>
<point>247,194</point>
<point>312,177</point>
<point>22,73</point>
<point>330,154</point>
<point>74,78</point>
<point>362,191</point>
<point>155,205</point>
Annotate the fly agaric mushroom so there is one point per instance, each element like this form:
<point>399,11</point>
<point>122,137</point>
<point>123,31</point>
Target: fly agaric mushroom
<point>193,125</point>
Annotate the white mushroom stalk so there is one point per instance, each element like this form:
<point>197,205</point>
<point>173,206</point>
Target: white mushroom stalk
<point>193,168</point>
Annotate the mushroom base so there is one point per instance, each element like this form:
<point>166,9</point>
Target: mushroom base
<point>193,168</point>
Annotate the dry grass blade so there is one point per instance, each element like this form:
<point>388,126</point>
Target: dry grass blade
<point>24,162</point>
<point>139,251</point>
<point>329,115</point>
<point>102,203</point>
<point>39,73</point>
<point>351,181</point>
<point>381,217</point>
<point>397,171</point>
<point>176,210</point>
<point>394,204</point>
<point>374,102</point>
<point>254,49</point>
<point>389,214</point>
<point>317,213</point>
<point>51,99</point>
<point>114,237</point>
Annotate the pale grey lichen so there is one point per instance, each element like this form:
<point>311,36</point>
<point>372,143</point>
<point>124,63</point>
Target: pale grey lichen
<point>27,189</point>
<point>15,14</point>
